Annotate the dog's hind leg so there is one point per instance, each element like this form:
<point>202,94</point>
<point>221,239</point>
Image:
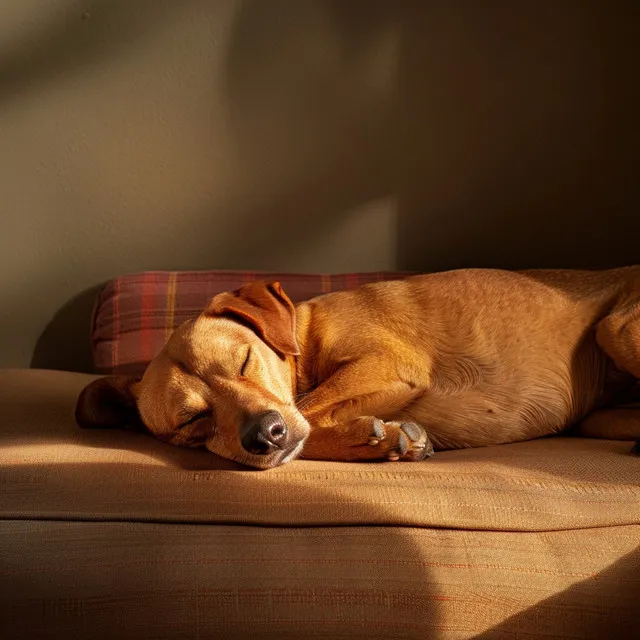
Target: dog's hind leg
<point>618,335</point>
<point>617,423</point>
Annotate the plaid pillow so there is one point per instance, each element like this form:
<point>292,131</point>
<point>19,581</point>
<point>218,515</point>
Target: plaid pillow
<point>135,314</point>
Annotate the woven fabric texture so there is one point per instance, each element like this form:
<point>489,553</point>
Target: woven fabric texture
<point>104,580</point>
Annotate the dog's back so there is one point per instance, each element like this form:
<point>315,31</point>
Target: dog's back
<point>503,356</point>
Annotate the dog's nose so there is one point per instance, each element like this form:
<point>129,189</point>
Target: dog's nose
<point>265,433</point>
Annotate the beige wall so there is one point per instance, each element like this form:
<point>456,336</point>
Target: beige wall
<point>320,135</point>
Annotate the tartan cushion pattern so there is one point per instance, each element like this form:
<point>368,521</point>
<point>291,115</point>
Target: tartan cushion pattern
<point>135,314</point>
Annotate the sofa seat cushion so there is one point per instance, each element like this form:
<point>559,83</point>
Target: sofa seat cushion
<point>51,469</point>
<point>105,580</point>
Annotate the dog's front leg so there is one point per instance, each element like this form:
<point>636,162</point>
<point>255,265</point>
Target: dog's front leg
<point>368,438</point>
<point>343,411</point>
<point>367,387</point>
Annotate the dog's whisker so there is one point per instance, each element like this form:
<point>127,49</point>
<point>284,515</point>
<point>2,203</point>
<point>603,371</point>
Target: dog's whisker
<point>307,402</point>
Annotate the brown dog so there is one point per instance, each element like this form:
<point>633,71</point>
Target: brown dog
<point>392,370</point>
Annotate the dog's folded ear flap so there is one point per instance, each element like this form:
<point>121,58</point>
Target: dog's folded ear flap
<point>109,403</point>
<point>266,308</point>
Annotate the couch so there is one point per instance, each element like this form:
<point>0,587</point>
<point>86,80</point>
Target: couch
<point>112,534</point>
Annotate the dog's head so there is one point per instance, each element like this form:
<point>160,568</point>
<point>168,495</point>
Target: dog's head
<point>225,381</point>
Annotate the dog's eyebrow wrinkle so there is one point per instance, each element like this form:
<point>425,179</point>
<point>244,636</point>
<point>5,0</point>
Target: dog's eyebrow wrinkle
<point>183,367</point>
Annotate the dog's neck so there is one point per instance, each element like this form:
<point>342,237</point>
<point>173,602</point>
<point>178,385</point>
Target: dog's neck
<point>301,365</point>
<point>292,361</point>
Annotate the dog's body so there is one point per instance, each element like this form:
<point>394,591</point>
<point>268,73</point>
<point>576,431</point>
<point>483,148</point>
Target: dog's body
<point>392,370</point>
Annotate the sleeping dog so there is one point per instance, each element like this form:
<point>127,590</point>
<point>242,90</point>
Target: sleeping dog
<point>392,370</point>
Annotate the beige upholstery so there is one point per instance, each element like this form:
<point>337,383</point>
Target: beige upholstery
<point>112,534</point>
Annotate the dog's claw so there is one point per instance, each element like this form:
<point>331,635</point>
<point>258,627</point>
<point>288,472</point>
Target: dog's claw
<point>378,433</point>
<point>412,430</point>
<point>414,442</point>
<point>403,444</point>
<point>378,429</point>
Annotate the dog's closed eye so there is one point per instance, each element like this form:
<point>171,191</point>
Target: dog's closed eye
<point>198,416</point>
<point>243,369</point>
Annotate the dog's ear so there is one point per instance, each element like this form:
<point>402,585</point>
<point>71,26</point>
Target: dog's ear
<point>266,308</point>
<point>109,403</point>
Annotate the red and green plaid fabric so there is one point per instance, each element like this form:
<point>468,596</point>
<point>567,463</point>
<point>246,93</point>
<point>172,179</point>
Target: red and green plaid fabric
<point>135,314</point>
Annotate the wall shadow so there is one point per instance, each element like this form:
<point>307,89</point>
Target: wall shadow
<point>519,140</point>
<point>310,91</point>
<point>65,343</point>
<point>603,595</point>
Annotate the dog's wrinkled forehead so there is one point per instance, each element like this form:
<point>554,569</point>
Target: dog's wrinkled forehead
<point>207,341</point>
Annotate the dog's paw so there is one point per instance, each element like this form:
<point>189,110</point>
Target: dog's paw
<point>406,441</point>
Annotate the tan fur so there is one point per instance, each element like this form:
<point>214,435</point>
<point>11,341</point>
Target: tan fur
<point>475,357</point>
